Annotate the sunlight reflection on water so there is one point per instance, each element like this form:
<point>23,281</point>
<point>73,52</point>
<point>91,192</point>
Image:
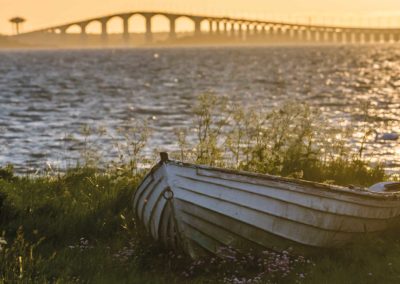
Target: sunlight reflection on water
<point>47,95</point>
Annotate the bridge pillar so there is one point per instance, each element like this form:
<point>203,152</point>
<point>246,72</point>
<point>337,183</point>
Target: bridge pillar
<point>391,38</point>
<point>334,36</point>
<point>259,31</point>
<point>104,28</point>
<point>353,37</point>
<point>396,37</point>
<point>63,30</point>
<point>241,31</point>
<point>172,28</point>
<point>83,29</point>
<point>357,37</point>
<point>254,30</point>
<point>310,35</point>
<point>313,35</point>
<point>328,36</point>
<point>346,37</point>
<point>272,32</point>
<point>225,29</point>
<point>248,31</point>
<point>197,26</point>
<point>210,27</point>
<point>343,37</point>
<point>319,35</point>
<point>149,33</point>
<point>63,34</point>
<point>213,28</point>
<point>372,37</point>
<point>231,31</point>
<point>218,23</point>
<point>125,24</point>
<point>263,30</point>
<point>292,33</point>
<point>386,37</point>
<point>278,32</point>
<point>285,33</point>
<point>322,35</point>
<point>302,34</point>
<point>376,37</point>
<point>305,33</point>
<point>361,37</point>
<point>368,37</point>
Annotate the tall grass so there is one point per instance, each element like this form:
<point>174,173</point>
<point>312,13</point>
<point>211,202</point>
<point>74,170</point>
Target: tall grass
<point>292,140</point>
<point>78,226</point>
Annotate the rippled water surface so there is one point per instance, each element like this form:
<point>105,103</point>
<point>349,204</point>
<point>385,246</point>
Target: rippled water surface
<point>45,96</point>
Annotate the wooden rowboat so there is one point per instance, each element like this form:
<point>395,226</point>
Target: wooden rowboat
<point>201,209</point>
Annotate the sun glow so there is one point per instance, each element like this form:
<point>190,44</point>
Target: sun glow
<point>44,13</point>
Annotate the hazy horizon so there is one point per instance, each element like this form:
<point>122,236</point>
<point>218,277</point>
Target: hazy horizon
<point>43,13</point>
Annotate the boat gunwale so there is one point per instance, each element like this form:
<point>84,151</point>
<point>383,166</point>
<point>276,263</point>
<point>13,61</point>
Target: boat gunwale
<point>279,186</point>
<point>361,192</point>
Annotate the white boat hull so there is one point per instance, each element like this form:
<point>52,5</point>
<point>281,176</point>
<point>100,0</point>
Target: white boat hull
<point>202,209</point>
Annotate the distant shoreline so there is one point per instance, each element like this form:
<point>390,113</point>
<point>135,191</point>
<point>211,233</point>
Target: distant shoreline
<point>137,41</point>
<point>14,46</point>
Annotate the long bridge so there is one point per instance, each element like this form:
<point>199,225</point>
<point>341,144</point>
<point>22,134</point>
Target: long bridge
<point>238,28</point>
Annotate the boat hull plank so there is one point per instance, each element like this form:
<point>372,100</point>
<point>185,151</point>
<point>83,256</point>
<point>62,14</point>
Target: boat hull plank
<point>287,229</point>
<point>285,210</point>
<point>238,234</point>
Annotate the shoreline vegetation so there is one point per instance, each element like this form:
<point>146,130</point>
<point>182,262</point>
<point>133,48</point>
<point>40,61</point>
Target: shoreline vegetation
<point>77,226</point>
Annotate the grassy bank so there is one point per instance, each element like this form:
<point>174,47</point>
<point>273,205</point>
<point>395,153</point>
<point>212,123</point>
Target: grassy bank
<point>77,226</point>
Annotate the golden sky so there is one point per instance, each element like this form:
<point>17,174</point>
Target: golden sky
<point>43,13</point>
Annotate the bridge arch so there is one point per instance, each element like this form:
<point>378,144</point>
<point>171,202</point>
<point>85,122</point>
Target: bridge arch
<point>56,30</point>
<point>115,24</point>
<point>205,26</point>
<point>74,29</point>
<point>185,25</point>
<point>137,23</point>
<point>161,23</point>
<point>93,26</point>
